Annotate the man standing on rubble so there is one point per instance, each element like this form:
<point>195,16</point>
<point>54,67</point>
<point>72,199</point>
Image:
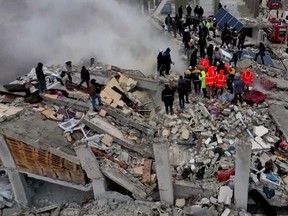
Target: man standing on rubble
<point>261,52</point>
<point>160,66</point>
<point>202,45</point>
<point>67,70</point>
<point>41,78</point>
<point>210,50</point>
<point>94,92</point>
<point>85,77</point>
<point>167,61</point>
<point>238,88</point>
<point>217,55</point>
<point>247,77</point>
<point>167,97</point>
<point>196,80</point>
<point>168,22</point>
<point>182,91</point>
<point>241,40</point>
<point>202,78</point>
<point>220,82</point>
<point>180,12</point>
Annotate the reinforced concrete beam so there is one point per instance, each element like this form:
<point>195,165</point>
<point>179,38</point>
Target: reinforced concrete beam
<point>91,166</point>
<point>163,172</point>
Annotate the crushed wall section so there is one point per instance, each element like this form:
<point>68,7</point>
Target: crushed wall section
<point>43,163</point>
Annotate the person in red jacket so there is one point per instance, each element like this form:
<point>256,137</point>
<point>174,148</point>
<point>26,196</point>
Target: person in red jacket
<point>220,82</point>
<point>210,81</point>
<point>247,77</point>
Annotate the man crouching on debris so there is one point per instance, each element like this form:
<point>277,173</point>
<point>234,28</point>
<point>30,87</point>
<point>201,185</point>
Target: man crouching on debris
<point>94,92</point>
<point>168,98</point>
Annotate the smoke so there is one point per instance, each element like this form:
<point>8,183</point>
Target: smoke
<point>53,31</point>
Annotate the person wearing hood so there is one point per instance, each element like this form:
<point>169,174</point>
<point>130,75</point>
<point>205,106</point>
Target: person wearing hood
<point>41,78</point>
<point>202,78</point>
<point>188,78</point>
<point>202,45</point>
<point>200,13</point>
<point>221,81</point>
<point>196,80</point>
<point>167,98</point>
<point>180,12</point>
<point>186,38</point>
<point>210,50</point>
<point>238,88</point>
<point>168,22</point>
<point>160,66</point>
<point>247,77</point>
<point>182,91</point>
<point>167,61</point>
<point>85,77</point>
<point>189,10</point>
<point>193,58</point>
<point>211,81</point>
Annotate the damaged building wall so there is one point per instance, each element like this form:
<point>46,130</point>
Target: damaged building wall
<point>43,163</point>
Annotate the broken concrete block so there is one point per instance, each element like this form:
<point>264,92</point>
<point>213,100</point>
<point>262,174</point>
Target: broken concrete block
<point>165,133</point>
<point>204,110</point>
<point>260,131</point>
<point>180,203</point>
<point>174,130</point>
<point>193,167</point>
<point>213,200</point>
<point>226,111</point>
<point>206,161</point>
<point>225,195</point>
<point>185,134</point>
<point>185,115</point>
<point>226,212</point>
<point>219,139</point>
<point>152,123</point>
<point>207,141</point>
<point>107,140</point>
<point>102,113</point>
<point>172,123</point>
<point>239,115</point>
<point>138,170</point>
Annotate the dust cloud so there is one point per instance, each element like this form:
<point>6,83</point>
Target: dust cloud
<point>53,31</point>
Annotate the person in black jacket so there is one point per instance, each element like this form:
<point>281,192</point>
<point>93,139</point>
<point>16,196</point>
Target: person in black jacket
<point>202,45</point>
<point>180,12</point>
<point>200,13</point>
<point>189,10</point>
<point>85,77</point>
<point>167,61</point>
<point>182,91</point>
<point>193,58</point>
<point>160,66</point>
<point>261,52</point>
<point>168,22</point>
<point>241,40</point>
<point>167,97</point>
<point>41,78</point>
<point>196,11</point>
<point>210,50</point>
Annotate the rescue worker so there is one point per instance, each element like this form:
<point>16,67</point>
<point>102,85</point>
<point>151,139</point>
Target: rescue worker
<point>209,26</point>
<point>241,40</point>
<point>210,81</point>
<point>238,89</point>
<point>167,98</point>
<point>168,22</point>
<point>220,82</point>
<point>160,66</point>
<point>214,27</point>
<point>202,45</point>
<point>217,55</point>
<point>202,78</point>
<point>221,66</point>
<point>196,80</point>
<point>200,13</point>
<point>167,61</point>
<point>247,77</point>
<point>210,53</point>
<point>182,91</point>
<point>67,70</point>
<point>234,59</point>
<point>94,92</point>
<point>261,52</point>
<point>230,80</point>
<point>180,12</point>
<point>193,58</point>
<point>41,78</point>
<point>85,77</point>
<point>188,78</point>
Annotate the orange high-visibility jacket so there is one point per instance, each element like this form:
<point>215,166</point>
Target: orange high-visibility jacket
<point>228,69</point>
<point>205,63</point>
<point>247,77</point>
<point>221,80</point>
<point>211,77</point>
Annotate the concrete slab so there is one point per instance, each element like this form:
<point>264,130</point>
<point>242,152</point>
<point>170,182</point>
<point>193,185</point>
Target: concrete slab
<point>280,83</point>
<point>278,112</point>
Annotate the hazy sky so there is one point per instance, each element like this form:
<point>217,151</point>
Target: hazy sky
<point>53,31</point>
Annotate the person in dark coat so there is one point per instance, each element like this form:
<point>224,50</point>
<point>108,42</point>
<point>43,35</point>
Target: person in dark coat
<point>195,23</point>
<point>186,38</point>
<point>200,13</point>
<point>160,66</point>
<point>182,91</point>
<point>41,78</point>
<point>238,88</point>
<point>174,27</point>
<point>94,92</point>
<point>196,11</point>
<point>202,45</point>
<point>234,59</point>
<point>85,77</point>
<point>189,10</point>
<point>261,52</point>
<point>221,66</point>
<point>219,6</point>
<point>168,22</point>
<point>167,97</point>
<point>196,81</point>
<point>180,27</point>
<point>193,58</point>
<point>234,38</point>
<point>230,80</point>
<point>167,61</point>
<point>241,40</point>
<point>226,37</point>
<point>180,12</point>
<point>210,50</point>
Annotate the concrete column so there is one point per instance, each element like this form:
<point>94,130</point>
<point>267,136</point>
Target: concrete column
<point>216,6</point>
<point>163,172</point>
<point>17,180</point>
<point>146,7</point>
<point>256,8</point>
<point>243,160</point>
<point>152,4</point>
<point>251,5</point>
<point>91,166</point>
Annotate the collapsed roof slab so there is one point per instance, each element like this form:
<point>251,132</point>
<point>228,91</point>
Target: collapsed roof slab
<point>279,114</point>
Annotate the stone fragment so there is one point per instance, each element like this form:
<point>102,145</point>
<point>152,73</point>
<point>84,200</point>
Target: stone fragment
<point>174,130</point>
<point>102,113</point>
<point>152,123</point>
<point>225,195</point>
<point>107,140</point>
<point>172,123</point>
<point>180,203</point>
<point>260,130</point>
<point>185,134</point>
<point>213,200</point>
<point>219,139</point>
<point>206,161</point>
<point>165,133</point>
<point>138,170</point>
<point>226,212</point>
<point>185,115</point>
<point>207,141</point>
